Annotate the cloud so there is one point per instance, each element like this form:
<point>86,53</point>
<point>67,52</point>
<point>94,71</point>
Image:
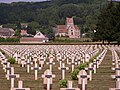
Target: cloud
<point>9,1</point>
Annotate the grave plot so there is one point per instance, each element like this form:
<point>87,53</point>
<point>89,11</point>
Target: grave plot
<point>116,68</point>
<point>102,79</point>
<point>43,67</point>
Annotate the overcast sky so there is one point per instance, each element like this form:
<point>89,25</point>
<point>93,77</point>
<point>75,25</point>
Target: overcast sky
<point>9,1</point>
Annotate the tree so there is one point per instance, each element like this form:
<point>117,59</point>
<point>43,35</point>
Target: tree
<point>18,25</point>
<point>33,27</point>
<point>105,24</point>
<point>13,26</point>
<point>17,33</point>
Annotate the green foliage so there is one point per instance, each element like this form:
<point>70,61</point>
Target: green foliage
<point>12,40</point>
<point>74,74</point>
<point>9,26</point>
<point>17,33</point>
<point>11,60</point>
<point>108,23</point>
<point>18,25</point>
<point>2,39</point>
<point>94,57</point>
<point>63,83</point>
<point>45,15</point>
<point>82,66</point>
<point>9,39</point>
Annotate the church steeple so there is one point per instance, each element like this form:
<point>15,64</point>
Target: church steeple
<point>69,22</point>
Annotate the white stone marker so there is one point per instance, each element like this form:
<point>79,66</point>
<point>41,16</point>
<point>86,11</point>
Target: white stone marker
<point>23,61</point>
<point>63,69</point>
<point>82,79</point>
<point>8,68</point>
<point>20,86</point>
<point>36,68</point>
<point>16,56</point>
<point>28,63</point>
<point>95,67</point>
<point>73,63</point>
<point>41,61</point>
<point>4,63</point>
<point>47,76</point>
<point>50,64</point>
<point>87,57</point>
<point>12,76</point>
<point>117,76</point>
<point>60,62</point>
<point>90,69</point>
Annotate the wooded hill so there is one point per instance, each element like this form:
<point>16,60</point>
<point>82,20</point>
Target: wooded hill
<point>44,15</point>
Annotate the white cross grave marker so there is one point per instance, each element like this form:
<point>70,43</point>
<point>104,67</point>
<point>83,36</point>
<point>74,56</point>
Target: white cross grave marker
<point>20,86</point>
<point>12,76</point>
<point>48,78</point>
<point>36,68</point>
<point>63,69</point>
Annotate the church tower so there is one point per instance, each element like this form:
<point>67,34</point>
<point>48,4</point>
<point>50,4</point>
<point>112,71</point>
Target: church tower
<point>69,22</point>
<point>70,27</point>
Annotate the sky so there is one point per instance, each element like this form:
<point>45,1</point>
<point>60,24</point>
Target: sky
<point>9,1</point>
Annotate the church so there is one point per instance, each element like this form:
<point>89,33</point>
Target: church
<point>69,30</point>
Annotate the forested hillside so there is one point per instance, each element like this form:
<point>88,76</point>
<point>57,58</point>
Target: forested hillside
<point>45,15</point>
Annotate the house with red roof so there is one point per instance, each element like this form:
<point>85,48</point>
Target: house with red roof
<point>70,30</point>
<point>38,38</point>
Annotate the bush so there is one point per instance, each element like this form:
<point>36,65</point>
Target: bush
<point>63,83</point>
<point>12,40</point>
<point>11,60</point>
<point>74,74</point>
<point>82,66</point>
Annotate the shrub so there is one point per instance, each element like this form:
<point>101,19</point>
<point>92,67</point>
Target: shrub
<point>74,74</point>
<point>63,83</point>
<point>11,60</point>
<point>82,66</point>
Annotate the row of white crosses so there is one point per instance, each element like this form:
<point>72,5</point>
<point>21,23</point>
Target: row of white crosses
<point>10,75</point>
<point>82,76</point>
<point>115,59</point>
<point>63,56</point>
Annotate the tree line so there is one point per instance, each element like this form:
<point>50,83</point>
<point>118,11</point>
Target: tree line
<point>45,15</point>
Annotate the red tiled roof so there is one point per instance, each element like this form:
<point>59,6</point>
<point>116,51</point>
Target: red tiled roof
<point>62,28</point>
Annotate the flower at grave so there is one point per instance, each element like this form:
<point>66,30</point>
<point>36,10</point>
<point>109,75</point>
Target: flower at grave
<point>74,74</point>
<point>82,66</point>
<point>63,83</point>
<point>11,60</point>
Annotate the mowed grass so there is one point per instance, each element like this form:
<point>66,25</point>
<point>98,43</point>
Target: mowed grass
<point>101,80</point>
<point>28,78</point>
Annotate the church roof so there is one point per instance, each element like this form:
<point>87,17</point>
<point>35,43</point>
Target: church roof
<point>62,28</point>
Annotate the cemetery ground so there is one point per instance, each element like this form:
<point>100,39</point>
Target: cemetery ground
<point>101,80</point>
<point>28,78</point>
